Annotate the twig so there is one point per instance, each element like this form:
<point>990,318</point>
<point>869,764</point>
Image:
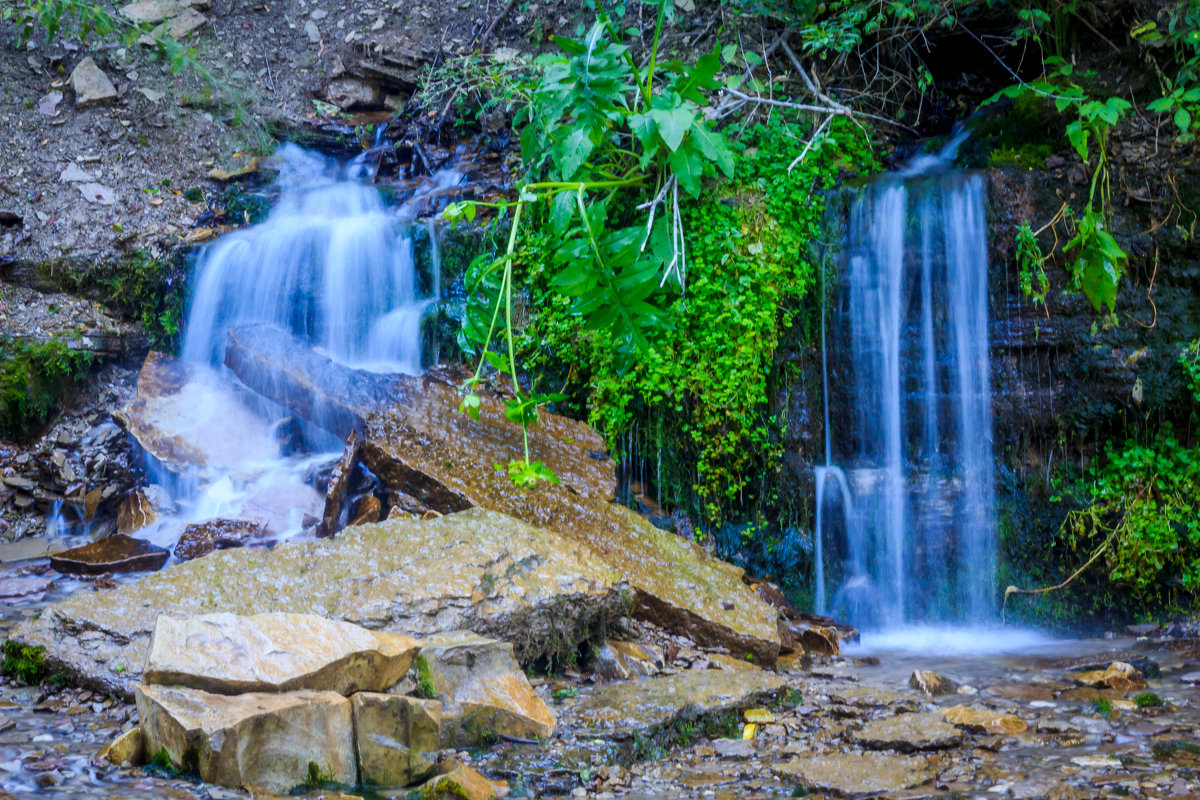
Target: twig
<point>840,112</point>
<point>483,40</point>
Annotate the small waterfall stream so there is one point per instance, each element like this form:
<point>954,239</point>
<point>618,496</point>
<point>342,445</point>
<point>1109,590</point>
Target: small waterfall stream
<point>904,501</point>
<point>337,266</point>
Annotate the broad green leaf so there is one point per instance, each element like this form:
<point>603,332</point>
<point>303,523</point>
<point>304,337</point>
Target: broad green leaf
<point>1183,119</point>
<point>673,124</point>
<point>573,152</point>
<point>687,167</point>
<point>713,147</point>
<point>1161,104</point>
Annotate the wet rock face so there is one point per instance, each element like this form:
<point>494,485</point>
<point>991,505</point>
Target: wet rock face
<point>275,652</point>
<point>847,774</point>
<point>415,441</point>
<point>908,733</point>
<point>504,579</point>
<point>200,539</point>
<point>262,740</point>
<point>483,690</point>
<point>116,553</point>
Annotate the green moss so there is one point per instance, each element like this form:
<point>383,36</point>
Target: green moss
<point>25,663</point>
<point>140,288</point>
<point>425,688</point>
<point>1147,700</point>
<point>35,378</point>
<point>1031,156</point>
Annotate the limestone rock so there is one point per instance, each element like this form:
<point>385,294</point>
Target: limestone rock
<point>908,733</point>
<point>854,773</point>
<point>411,576</point>
<point>116,553</point>
<point>645,707</point>
<point>414,440</point>
<point>618,660</point>
<point>129,747</point>
<point>200,539</point>
<point>275,652</point>
<point>143,12</point>
<point>930,683</point>
<point>91,85</point>
<point>97,193</point>
<point>984,721</point>
<point>1119,676</point>
<point>346,93</point>
<point>185,22</point>
<point>397,738</point>
<point>483,690</point>
<point>262,740</point>
<point>461,783</point>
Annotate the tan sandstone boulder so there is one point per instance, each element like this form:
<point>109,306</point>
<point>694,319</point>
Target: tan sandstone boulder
<point>270,741</point>
<point>275,652</point>
<point>483,691</point>
<point>397,738</point>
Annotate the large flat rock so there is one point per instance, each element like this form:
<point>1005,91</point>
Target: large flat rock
<point>645,707</point>
<point>478,570</point>
<point>275,652</point>
<point>416,441</point>
<point>851,774</point>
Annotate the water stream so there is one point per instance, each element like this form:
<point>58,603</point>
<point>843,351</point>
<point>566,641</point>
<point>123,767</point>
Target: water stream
<point>905,499</point>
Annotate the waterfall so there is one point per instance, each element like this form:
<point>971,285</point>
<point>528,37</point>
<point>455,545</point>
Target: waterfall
<point>332,263</point>
<point>908,407</point>
<point>337,266</point>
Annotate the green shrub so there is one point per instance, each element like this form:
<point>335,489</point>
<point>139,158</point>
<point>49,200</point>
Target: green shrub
<point>35,378</point>
<point>25,663</point>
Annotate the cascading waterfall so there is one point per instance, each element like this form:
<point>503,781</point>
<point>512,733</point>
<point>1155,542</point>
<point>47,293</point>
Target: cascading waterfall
<point>335,265</point>
<point>908,471</point>
<point>331,263</point>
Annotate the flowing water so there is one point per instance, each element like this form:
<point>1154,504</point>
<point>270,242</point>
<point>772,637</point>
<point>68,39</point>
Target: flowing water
<point>905,500</point>
<point>337,266</point>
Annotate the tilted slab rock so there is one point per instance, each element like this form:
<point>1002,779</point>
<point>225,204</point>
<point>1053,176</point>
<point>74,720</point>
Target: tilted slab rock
<point>267,741</point>
<point>483,691</point>
<point>477,570</point>
<point>982,720</point>
<point>415,440</point>
<point>275,652</point>
<point>397,738</point>
<point>645,707</point>
<point>116,553</point>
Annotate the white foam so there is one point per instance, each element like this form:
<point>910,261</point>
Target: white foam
<point>939,641</point>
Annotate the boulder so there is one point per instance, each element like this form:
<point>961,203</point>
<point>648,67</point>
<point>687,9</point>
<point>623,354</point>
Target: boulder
<point>984,721</point>
<point>415,441</point>
<point>201,538</point>
<point>116,553</point>
<point>849,774</point>
<point>618,660</point>
<point>461,783</point>
<point>645,707</point>
<point>271,741</point>
<point>483,691</point>
<point>1119,676</point>
<point>907,733</point>
<point>129,747</point>
<point>397,738</point>
<point>477,570</point>
<point>91,85</point>
<point>275,652</point>
<point>347,93</point>
<point>135,512</point>
<point>931,684</point>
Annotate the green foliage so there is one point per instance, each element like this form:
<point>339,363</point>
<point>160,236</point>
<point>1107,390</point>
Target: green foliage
<point>1145,502</point>
<point>145,289</point>
<point>1098,262</point>
<point>35,377</point>
<point>597,131</point>
<point>425,688</point>
<point>1189,359</point>
<point>1147,700</point>
<point>1030,261</point>
<point>25,663</point>
<point>1172,44</point>
<point>1103,707</point>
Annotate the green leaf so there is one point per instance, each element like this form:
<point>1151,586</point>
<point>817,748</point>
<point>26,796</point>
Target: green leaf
<point>573,152</point>
<point>1161,104</point>
<point>1183,119</point>
<point>687,167</point>
<point>673,124</point>
<point>713,147</point>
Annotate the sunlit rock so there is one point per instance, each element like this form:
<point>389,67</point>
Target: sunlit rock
<point>908,733</point>
<point>477,570</point>
<point>271,741</point>
<point>483,691</point>
<point>984,721</point>
<point>397,738</point>
<point>931,684</point>
<point>275,652</point>
<point>854,773</point>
